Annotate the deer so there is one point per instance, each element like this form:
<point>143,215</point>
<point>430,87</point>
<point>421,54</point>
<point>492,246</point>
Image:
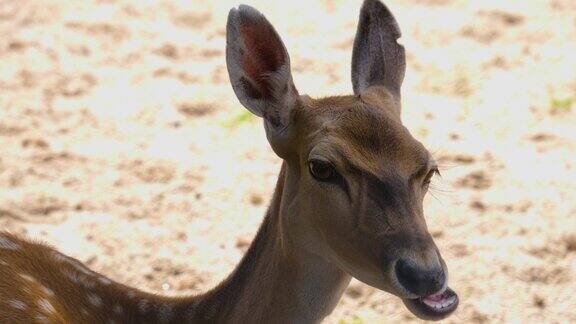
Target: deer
<point>348,203</point>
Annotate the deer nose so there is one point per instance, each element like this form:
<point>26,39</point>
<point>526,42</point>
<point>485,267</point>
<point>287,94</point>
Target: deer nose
<point>420,280</point>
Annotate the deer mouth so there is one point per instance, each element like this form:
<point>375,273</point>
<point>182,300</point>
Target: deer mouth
<point>434,307</point>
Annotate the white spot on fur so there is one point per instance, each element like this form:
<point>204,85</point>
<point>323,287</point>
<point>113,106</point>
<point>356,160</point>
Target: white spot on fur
<point>47,291</point>
<point>2,262</point>
<point>18,304</point>
<point>59,257</point>
<point>42,319</point>
<point>27,277</point>
<point>46,306</point>
<point>78,278</point>
<point>82,268</point>
<point>105,281</point>
<point>73,276</point>
<point>95,300</point>
<point>73,262</point>
<point>86,282</point>
<point>6,243</point>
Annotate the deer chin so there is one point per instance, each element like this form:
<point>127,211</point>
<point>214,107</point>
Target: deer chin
<point>433,307</point>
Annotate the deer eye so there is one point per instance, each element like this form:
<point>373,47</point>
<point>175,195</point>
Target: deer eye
<point>322,170</point>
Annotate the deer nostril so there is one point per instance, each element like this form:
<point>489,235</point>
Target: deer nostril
<point>419,281</point>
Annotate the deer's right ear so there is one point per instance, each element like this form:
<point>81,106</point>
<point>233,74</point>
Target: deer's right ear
<point>259,67</point>
<point>377,58</point>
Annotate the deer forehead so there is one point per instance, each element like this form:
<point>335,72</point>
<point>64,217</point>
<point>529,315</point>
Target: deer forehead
<point>365,135</point>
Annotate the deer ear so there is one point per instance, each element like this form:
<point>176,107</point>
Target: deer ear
<point>259,67</point>
<point>377,58</point>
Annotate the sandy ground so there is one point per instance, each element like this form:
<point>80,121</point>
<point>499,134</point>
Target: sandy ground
<point>122,144</point>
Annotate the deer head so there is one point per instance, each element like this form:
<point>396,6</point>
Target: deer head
<point>355,177</point>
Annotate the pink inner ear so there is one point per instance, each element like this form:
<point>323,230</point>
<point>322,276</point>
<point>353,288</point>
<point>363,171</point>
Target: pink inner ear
<point>264,54</point>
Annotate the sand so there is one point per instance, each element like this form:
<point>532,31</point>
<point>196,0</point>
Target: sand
<point>123,145</point>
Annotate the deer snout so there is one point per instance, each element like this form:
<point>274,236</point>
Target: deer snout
<point>420,278</point>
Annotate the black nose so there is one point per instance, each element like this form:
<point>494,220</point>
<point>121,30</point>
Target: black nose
<point>419,280</point>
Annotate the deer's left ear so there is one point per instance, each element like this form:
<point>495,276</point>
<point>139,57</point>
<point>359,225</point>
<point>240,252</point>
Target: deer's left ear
<point>259,67</point>
<point>377,59</point>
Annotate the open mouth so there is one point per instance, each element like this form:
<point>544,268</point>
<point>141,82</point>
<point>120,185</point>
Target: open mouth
<point>434,307</point>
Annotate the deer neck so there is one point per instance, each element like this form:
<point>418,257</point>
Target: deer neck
<point>276,282</point>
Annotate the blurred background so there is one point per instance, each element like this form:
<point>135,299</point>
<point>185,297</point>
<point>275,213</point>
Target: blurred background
<point>123,145</point>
